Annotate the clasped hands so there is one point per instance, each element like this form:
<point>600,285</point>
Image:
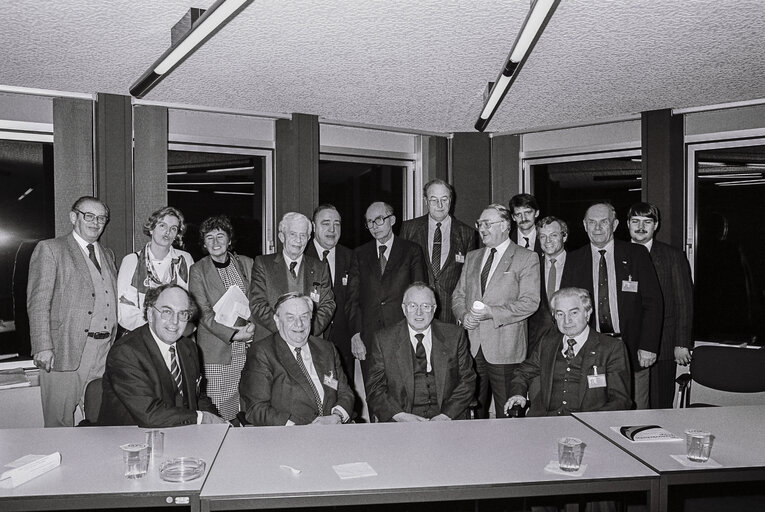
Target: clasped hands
<point>472,318</point>
<point>405,417</point>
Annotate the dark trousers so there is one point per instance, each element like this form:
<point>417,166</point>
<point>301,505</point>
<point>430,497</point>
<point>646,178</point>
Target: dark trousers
<point>663,384</point>
<point>493,380</point>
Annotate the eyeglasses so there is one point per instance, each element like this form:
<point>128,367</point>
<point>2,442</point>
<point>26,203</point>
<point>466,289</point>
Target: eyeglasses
<point>377,221</point>
<point>486,223</point>
<point>168,314</point>
<point>435,201</point>
<point>90,217</point>
<point>425,308</point>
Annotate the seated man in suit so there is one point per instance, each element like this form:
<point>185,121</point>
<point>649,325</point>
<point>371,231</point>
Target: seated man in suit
<point>291,377</point>
<point>420,369</point>
<point>580,370</point>
<point>152,376</point>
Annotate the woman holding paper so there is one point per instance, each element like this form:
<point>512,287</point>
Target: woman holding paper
<point>222,341</point>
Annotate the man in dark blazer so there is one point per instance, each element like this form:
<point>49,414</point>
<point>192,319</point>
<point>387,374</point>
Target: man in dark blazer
<point>444,241</point>
<point>291,377</point>
<point>622,281</point>
<point>525,210</point>
<point>325,247</point>
<point>420,369</point>
<point>291,270</point>
<point>676,284</point>
<point>381,271</point>
<point>580,370</point>
<point>152,376</point>
<point>72,309</point>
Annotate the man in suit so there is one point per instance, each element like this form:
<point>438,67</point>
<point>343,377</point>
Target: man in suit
<point>525,210</point>
<point>444,240</point>
<point>420,369</point>
<point>381,271</point>
<point>292,378</point>
<point>325,247</point>
<point>676,285</point>
<point>72,307</point>
<point>497,291</point>
<point>290,270</point>
<point>580,370</point>
<point>622,281</point>
<point>152,376</point>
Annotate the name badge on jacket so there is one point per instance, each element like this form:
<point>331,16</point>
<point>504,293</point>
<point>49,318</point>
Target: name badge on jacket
<point>596,380</point>
<point>330,381</point>
<point>345,279</point>
<point>315,296</point>
<point>459,257</point>
<point>629,285</point>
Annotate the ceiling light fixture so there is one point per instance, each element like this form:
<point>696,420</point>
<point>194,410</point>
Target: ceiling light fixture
<point>540,13</point>
<point>214,18</point>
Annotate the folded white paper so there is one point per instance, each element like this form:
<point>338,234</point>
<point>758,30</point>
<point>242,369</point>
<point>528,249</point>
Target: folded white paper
<point>354,470</point>
<point>232,306</point>
<point>26,472</point>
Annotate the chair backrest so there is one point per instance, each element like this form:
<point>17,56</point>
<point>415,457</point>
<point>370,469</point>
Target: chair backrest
<point>93,394</point>
<point>731,369</point>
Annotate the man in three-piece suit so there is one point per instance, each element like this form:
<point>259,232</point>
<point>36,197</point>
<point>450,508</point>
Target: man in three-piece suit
<point>674,276</point>
<point>525,210</point>
<point>381,271</point>
<point>291,377</point>
<point>291,270</point>
<point>622,281</point>
<point>152,376</point>
<point>420,369</point>
<point>325,247</point>
<point>72,308</point>
<point>579,369</point>
<point>497,291</point>
<point>444,241</point>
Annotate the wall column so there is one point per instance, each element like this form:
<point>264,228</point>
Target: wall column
<point>296,163</point>
<point>505,168</point>
<point>471,174</point>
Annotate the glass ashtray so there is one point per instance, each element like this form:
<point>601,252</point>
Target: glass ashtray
<point>182,469</point>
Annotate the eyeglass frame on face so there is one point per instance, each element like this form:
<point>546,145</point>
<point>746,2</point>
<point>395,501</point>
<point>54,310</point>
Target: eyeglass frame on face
<point>412,307</point>
<point>90,217</point>
<point>439,201</point>
<point>377,221</point>
<point>167,314</point>
<point>487,223</point>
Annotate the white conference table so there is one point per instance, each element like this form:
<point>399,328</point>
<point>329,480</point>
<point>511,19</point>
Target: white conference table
<point>739,445</point>
<point>415,462</point>
<point>91,474</point>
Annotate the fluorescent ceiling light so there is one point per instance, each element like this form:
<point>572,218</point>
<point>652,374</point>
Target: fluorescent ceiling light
<point>206,183</point>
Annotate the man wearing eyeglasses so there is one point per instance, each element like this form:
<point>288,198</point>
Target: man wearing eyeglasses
<point>72,307</point>
<point>444,240</point>
<point>497,292</point>
<point>420,369</point>
<point>152,376</point>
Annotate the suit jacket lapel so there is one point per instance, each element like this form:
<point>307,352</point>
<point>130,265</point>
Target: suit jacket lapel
<point>286,356</point>
<point>245,275</point>
<point>438,359</point>
<point>279,272</point>
<point>589,357</point>
<point>79,258</point>
<point>158,362</point>
<point>213,278</point>
<point>323,364</point>
<point>405,360</point>
<point>502,267</point>
<point>396,254</point>
<point>547,367</point>
<point>309,273</point>
<point>189,381</point>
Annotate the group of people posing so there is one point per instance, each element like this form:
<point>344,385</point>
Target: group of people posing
<point>440,327</point>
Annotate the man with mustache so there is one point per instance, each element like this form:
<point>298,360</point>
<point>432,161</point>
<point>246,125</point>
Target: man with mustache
<point>525,210</point>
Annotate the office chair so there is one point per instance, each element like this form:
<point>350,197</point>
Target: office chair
<point>729,369</point>
<point>92,403</point>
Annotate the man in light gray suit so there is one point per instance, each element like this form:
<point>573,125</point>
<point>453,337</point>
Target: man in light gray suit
<point>497,291</point>
<point>72,306</point>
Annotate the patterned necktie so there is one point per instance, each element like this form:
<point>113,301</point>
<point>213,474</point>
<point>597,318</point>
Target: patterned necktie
<point>604,304</point>
<point>551,278</point>
<point>383,260</point>
<point>569,354</point>
<point>301,364</point>
<point>527,241</point>
<point>175,370</point>
<point>92,255</point>
<point>293,264</point>
<point>420,358</point>
<point>435,258</point>
<point>486,269</point>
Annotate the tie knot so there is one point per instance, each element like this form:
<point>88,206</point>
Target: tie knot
<point>552,261</point>
<point>297,351</point>
<point>293,264</point>
<point>493,250</point>
<point>438,224</point>
<point>571,342</point>
<point>382,249</point>
<point>90,247</point>
<point>419,337</point>
<point>172,349</point>
<point>324,254</point>
<point>602,252</point>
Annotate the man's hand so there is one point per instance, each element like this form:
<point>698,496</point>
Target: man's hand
<point>44,360</point>
<point>645,358</point>
<point>209,418</point>
<point>484,314</point>
<point>330,419</point>
<point>407,417</point>
<point>469,321</point>
<point>513,401</point>
<point>358,349</point>
<point>682,356</point>
<point>441,417</point>
<point>244,333</point>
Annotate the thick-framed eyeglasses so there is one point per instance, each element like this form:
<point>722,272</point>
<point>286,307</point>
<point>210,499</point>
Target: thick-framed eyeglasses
<point>90,217</point>
<point>377,221</point>
<point>486,223</point>
<point>168,314</point>
<point>439,201</point>
<point>425,308</point>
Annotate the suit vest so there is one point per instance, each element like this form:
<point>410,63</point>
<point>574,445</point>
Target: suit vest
<point>565,387</point>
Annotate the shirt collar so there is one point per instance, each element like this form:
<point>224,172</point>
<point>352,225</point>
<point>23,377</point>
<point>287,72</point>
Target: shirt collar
<point>81,241</point>
<point>648,245</point>
<point>609,248</point>
<point>320,250</point>
<point>287,260</point>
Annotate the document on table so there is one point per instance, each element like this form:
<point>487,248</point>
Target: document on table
<point>233,308</point>
<point>28,467</point>
<point>354,470</point>
<point>646,433</point>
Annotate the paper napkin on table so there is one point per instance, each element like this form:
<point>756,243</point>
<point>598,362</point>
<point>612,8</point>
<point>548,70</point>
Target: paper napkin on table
<point>354,470</point>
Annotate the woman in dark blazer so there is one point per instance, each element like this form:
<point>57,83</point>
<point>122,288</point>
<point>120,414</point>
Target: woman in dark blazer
<point>223,348</point>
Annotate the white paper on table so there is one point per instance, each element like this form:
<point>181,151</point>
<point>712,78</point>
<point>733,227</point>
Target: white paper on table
<point>232,306</point>
<point>354,470</point>
<point>26,472</point>
<point>554,467</point>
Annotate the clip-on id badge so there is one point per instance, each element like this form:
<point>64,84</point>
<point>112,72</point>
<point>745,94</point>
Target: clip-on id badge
<point>596,380</point>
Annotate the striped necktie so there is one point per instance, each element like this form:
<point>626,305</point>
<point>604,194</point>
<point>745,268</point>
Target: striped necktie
<point>175,370</point>
<point>301,364</point>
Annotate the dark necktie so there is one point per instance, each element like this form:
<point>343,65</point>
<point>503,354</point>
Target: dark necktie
<point>293,264</point>
<point>420,358</point>
<point>324,255</point>
<point>435,258</point>
<point>92,255</point>
<point>383,260</point>
<point>527,241</point>
<point>569,354</point>
<point>551,278</point>
<point>301,364</point>
<point>604,304</point>
<point>175,370</point>
<point>486,269</point>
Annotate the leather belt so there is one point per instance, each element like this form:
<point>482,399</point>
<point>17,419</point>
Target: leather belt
<point>99,335</point>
